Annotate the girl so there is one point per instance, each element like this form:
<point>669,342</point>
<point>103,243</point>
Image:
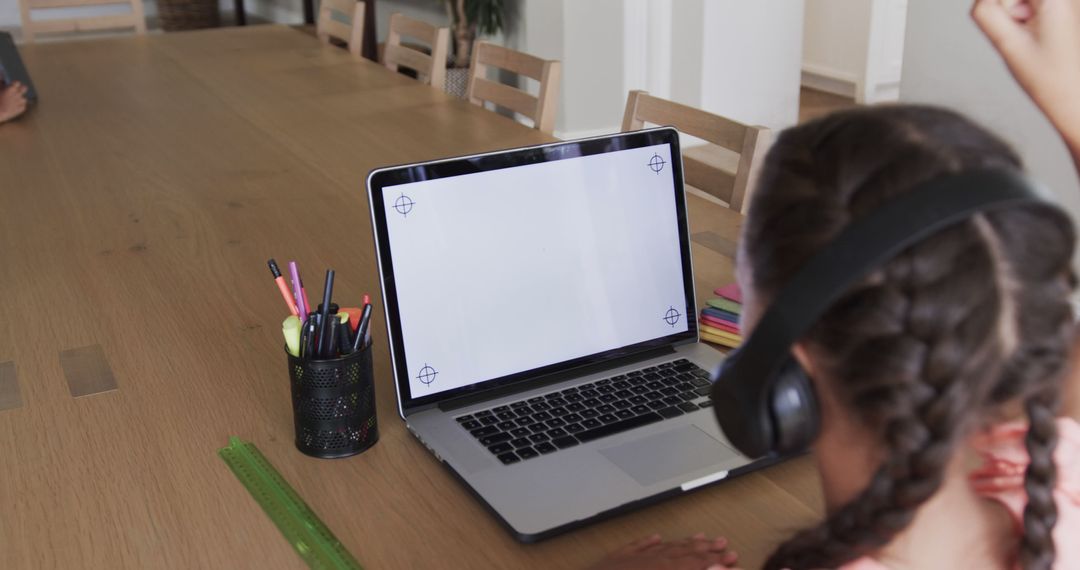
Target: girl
<point>942,375</point>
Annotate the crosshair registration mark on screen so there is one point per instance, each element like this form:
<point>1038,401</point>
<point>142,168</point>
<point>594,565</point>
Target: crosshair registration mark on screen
<point>404,205</point>
<point>656,163</point>
<point>427,375</point>
<point>672,316</point>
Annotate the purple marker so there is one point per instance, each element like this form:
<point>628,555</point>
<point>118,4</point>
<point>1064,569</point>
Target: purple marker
<point>294,276</point>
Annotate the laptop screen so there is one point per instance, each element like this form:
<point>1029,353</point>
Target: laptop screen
<point>524,262</point>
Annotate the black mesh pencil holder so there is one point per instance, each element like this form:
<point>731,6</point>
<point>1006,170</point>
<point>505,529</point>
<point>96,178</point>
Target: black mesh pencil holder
<point>334,405</point>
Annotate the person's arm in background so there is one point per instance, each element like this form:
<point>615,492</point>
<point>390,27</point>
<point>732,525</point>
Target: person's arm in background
<point>652,553</point>
<point>12,101</point>
<point>1040,42</point>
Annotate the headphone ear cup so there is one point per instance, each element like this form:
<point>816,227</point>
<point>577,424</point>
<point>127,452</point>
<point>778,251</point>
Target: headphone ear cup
<point>794,408</point>
<point>742,408</point>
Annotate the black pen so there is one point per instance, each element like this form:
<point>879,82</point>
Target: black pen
<point>361,331</point>
<point>307,337</point>
<point>324,315</point>
<point>331,339</point>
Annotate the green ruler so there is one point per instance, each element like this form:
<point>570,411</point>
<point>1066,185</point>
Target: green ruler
<point>300,525</point>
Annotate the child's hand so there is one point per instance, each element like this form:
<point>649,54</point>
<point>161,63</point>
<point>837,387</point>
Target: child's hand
<point>652,553</point>
<point>1040,42</point>
<point>12,101</point>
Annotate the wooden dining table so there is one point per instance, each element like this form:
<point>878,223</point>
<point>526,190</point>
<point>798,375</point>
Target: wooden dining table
<point>139,325</point>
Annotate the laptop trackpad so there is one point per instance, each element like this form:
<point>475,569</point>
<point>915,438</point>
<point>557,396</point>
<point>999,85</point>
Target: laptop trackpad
<point>652,459</point>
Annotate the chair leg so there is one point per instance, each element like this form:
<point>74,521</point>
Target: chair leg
<point>241,16</point>
<point>309,12</point>
<point>371,50</point>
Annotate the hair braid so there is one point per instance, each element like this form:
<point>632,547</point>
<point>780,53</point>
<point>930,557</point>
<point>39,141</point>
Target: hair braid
<point>1037,545</point>
<point>930,346</point>
<point>911,392</point>
<point>1034,370</point>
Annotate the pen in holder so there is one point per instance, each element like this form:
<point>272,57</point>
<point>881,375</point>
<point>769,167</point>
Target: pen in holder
<point>334,404</point>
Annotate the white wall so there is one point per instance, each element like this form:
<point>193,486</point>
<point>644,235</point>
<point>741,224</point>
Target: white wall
<point>592,63</point>
<point>691,51</point>
<point>536,27</point>
<point>647,58</point>
<point>948,62</point>
<point>885,52</point>
<point>748,75</point>
<point>837,34</point>
<point>9,14</point>
<point>854,48</point>
<point>712,54</point>
<point>687,62</point>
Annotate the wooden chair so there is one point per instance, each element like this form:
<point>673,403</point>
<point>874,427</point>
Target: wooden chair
<point>430,69</point>
<point>541,109</point>
<point>32,28</point>
<point>342,20</point>
<point>750,143</point>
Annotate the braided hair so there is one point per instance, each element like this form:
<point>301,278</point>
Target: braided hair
<point>935,343</point>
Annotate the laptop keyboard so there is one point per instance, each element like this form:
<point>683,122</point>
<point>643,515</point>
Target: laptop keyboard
<point>545,424</point>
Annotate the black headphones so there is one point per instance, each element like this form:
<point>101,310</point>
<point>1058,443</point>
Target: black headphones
<point>762,397</point>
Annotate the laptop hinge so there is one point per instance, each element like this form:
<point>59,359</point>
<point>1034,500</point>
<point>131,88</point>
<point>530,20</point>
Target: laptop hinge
<point>547,379</point>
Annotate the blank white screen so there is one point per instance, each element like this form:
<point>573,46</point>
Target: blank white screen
<point>510,270</point>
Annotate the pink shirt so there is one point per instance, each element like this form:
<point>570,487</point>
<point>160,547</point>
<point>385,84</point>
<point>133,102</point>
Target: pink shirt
<point>1001,478</point>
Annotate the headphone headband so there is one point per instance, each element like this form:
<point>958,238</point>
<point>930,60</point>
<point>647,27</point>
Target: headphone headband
<point>864,245</point>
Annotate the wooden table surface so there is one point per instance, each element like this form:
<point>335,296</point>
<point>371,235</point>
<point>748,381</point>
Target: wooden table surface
<point>138,205</point>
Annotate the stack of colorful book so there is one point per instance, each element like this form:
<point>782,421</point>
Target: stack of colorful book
<point>720,319</point>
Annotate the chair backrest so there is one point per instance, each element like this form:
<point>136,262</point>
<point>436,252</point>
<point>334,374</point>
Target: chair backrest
<point>31,28</point>
<point>342,20</point>
<point>750,143</point>
<point>431,69</point>
<point>541,108</point>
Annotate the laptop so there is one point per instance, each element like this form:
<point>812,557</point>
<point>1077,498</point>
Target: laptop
<point>541,316</point>
<point>12,68</point>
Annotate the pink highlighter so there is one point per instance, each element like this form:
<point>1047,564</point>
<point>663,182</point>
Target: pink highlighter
<point>298,294</point>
